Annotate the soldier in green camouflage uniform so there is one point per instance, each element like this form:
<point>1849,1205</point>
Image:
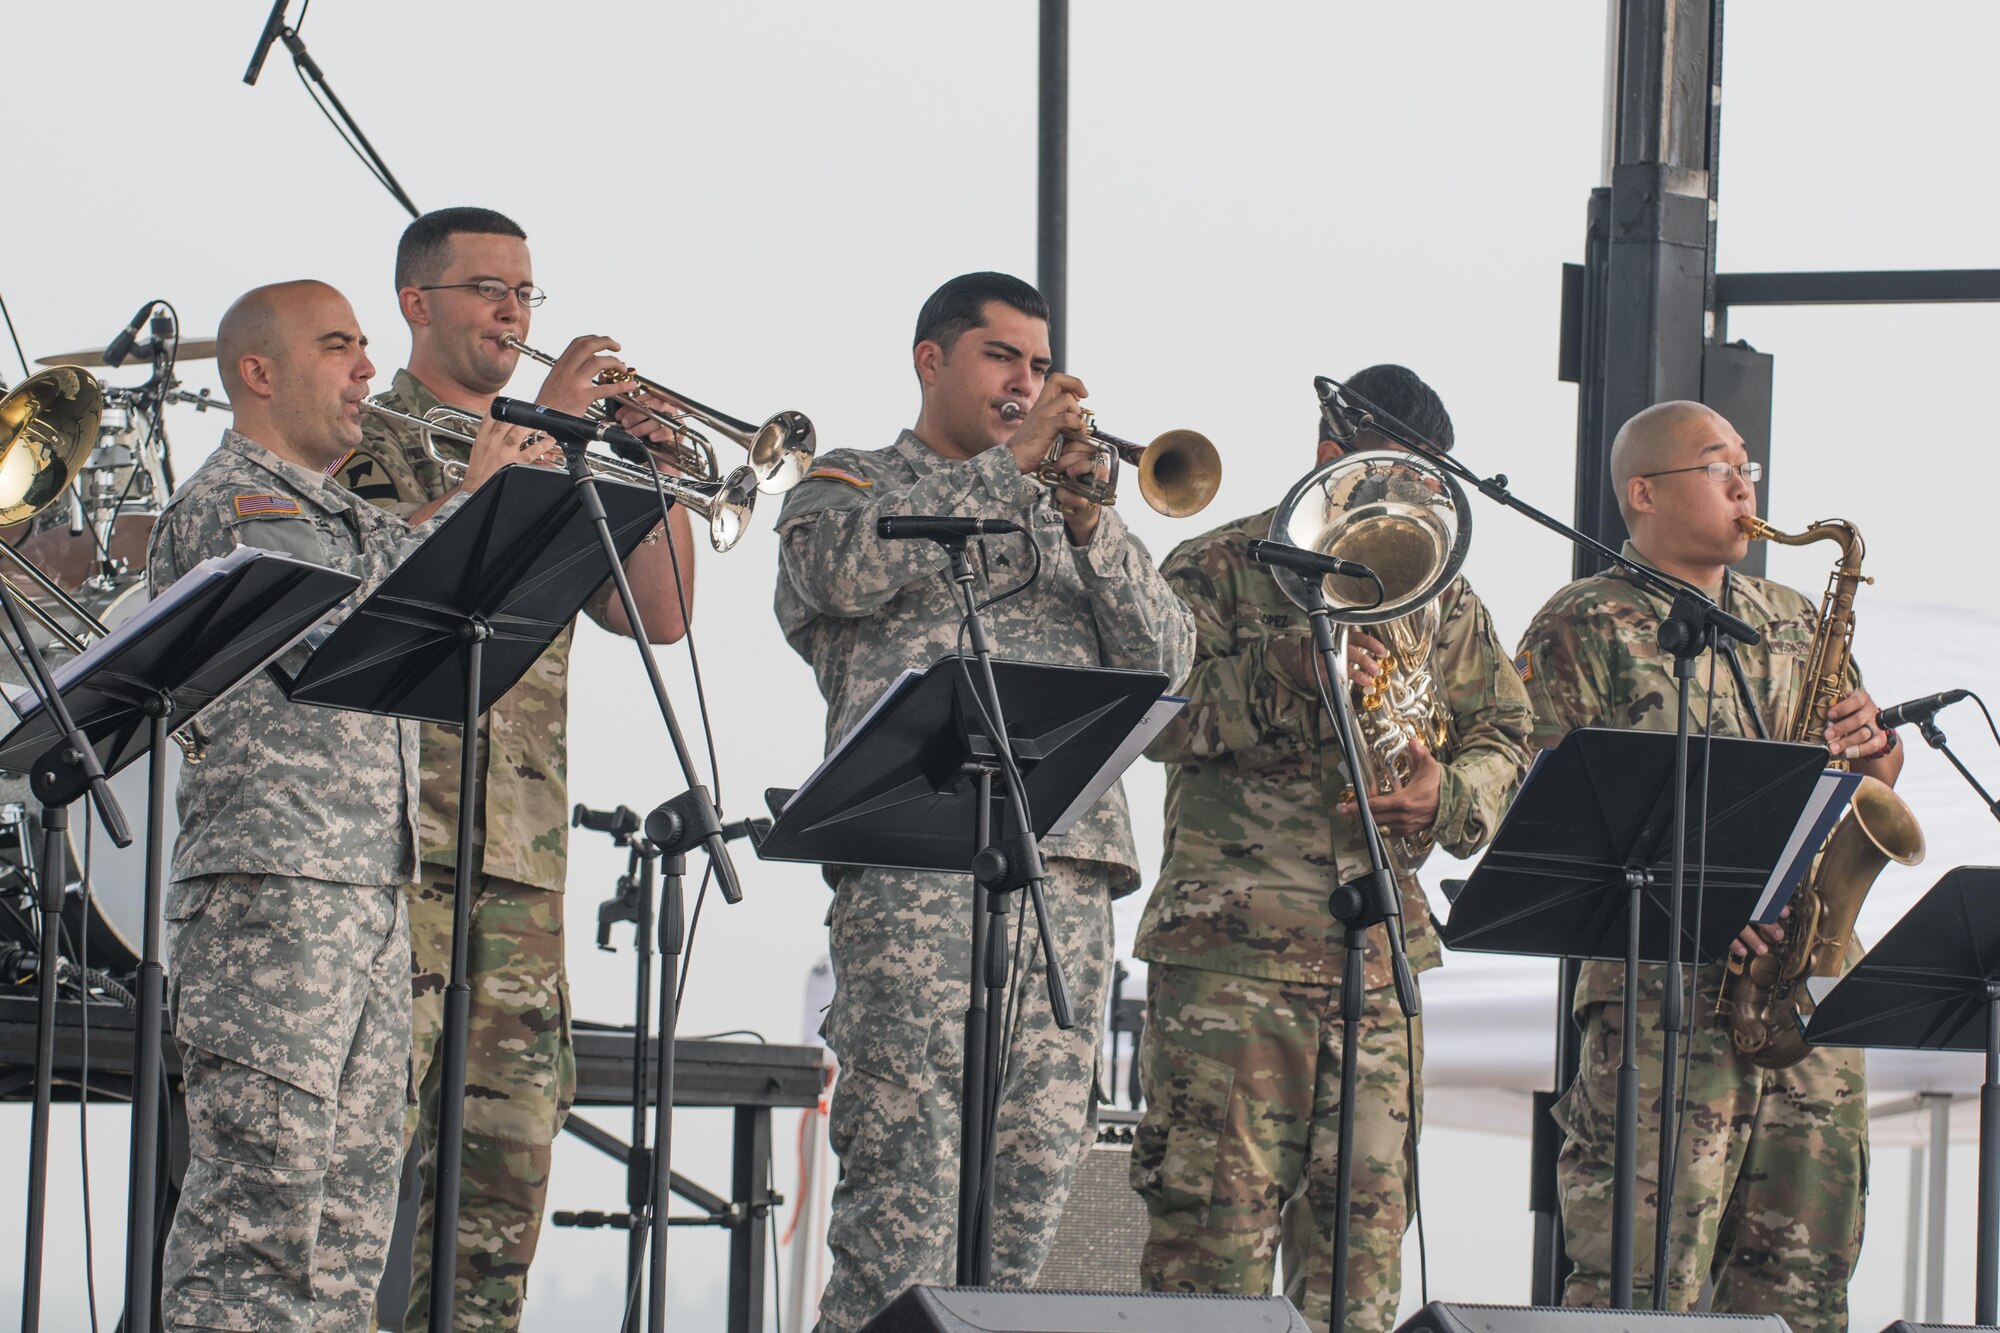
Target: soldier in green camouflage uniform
<point>285,923</point>
<point>862,610</point>
<point>1241,1051</point>
<point>520,1066</point>
<point>1773,1163</point>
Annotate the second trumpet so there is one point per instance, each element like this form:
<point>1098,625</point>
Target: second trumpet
<point>1179,472</point>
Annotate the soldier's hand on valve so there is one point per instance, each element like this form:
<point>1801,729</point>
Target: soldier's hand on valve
<point>497,444</point>
<point>1759,939</point>
<point>649,428</point>
<point>572,382</point>
<point>1852,731</point>
<point>1413,807</point>
<point>1057,411</point>
<point>1080,513</point>
<point>1364,661</point>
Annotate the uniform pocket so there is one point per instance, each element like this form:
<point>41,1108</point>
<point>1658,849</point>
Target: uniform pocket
<point>1178,1147</point>
<point>895,1050</point>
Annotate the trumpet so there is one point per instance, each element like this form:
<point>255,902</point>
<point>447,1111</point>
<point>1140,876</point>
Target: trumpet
<point>726,502</point>
<point>1179,472</point>
<point>781,450</point>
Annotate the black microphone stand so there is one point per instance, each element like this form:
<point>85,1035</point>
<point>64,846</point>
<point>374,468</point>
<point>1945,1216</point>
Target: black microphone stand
<point>1934,737</point>
<point>65,772</point>
<point>999,869</point>
<point>1691,626</point>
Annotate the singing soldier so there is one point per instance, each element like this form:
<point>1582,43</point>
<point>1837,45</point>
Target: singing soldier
<point>1772,1169</point>
<point>286,923</point>
<point>862,610</point>
<point>464,282</point>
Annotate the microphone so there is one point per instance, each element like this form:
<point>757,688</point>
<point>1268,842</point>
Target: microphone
<point>1918,710</point>
<point>1340,427</point>
<point>1307,562</point>
<point>121,347</point>
<point>570,429</point>
<point>940,528</point>
<point>273,25</point>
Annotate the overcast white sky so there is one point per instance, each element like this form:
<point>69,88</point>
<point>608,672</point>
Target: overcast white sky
<point>756,197</point>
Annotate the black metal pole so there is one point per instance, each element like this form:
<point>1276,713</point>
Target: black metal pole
<point>446,1166</point>
<point>54,869</point>
<point>1625,1144</point>
<point>1052,177</point>
<point>973,1089</point>
<point>1671,1008</point>
<point>148,1068</point>
<point>639,1164</point>
<point>1935,738</point>
<point>672,931</point>
<point>1989,1168</point>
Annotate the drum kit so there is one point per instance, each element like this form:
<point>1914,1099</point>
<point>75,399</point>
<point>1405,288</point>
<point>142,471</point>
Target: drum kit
<point>84,471</point>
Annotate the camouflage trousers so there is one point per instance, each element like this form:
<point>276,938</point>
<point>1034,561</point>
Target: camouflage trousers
<point>1770,1184</point>
<point>1239,1142</point>
<point>291,1006</point>
<point>901,945</point>
<point>520,1074</point>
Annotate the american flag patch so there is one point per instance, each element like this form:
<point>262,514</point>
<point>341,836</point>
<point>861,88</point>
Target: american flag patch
<point>1525,667</point>
<point>840,474</point>
<point>260,506</point>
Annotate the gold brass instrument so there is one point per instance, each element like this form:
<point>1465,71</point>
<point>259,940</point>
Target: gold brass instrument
<point>1762,995</point>
<point>48,426</point>
<point>1407,520</point>
<point>780,451</point>
<point>1179,472</point>
<point>726,504</point>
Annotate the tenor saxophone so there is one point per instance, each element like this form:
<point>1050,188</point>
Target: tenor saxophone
<point>1761,995</point>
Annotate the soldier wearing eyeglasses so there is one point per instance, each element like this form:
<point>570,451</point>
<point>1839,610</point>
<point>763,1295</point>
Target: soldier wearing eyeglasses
<point>465,282</point>
<point>1771,1171</point>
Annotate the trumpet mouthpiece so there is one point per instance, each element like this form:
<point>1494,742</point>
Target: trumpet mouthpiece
<point>1012,411</point>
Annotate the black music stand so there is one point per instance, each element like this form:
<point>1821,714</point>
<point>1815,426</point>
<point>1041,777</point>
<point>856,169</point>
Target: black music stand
<point>912,788</point>
<point>1582,867</point>
<point>440,640</point>
<point>1933,984</point>
<point>230,616</point>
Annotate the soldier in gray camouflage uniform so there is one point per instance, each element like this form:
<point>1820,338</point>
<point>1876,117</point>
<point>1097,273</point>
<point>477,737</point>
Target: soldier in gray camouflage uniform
<point>1241,1050</point>
<point>862,610</point>
<point>1773,1164</point>
<point>464,280</point>
<point>285,924</point>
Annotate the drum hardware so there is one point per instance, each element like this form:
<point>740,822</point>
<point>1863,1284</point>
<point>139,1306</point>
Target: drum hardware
<point>186,349</point>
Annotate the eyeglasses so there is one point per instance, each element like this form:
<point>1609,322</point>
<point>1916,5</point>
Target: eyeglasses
<point>495,290</point>
<point>1718,472</point>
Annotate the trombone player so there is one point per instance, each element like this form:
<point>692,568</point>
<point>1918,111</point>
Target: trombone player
<point>1240,1054</point>
<point>466,288</point>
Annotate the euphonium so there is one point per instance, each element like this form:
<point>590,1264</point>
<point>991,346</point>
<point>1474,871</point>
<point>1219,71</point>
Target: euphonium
<point>1761,995</point>
<point>1407,520</point>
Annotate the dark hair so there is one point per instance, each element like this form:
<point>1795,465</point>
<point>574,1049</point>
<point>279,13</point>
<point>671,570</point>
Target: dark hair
<point>424,250</point>
<point>1398,392</point>
<point>960,305</point>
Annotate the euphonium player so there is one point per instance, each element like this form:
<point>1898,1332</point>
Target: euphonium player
<point>464,281</point>
<point>286,921</point>
<point>1241,1050</point>
<point>861,610</point>
<point>1769,1184</point>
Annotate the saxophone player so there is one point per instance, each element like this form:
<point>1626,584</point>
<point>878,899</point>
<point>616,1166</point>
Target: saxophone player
<point>1770,1179</point>
<point>1241,1051</point>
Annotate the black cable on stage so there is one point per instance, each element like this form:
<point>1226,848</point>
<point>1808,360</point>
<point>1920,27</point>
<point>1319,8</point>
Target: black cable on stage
<point>1989,716</point>
<point>367,162</point>
<point>6,315</point>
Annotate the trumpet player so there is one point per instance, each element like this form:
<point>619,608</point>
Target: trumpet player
<point>1241,1052</point>
<point>1770,1179</point>
<point>465,284</point>
<point>862,609</point>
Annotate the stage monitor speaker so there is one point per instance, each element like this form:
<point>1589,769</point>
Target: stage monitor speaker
<point>997,1310</point>
<point>1912,1326</point>
<point>1452,1317</point>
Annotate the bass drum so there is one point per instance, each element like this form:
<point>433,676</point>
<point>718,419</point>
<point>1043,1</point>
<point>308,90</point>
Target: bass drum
<point>107,923</point>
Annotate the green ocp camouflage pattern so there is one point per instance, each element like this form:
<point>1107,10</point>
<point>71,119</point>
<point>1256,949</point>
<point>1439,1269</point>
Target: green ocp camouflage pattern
<point>1772,1171</point>
<point>291,1006</point>
<point>863,610</point>
<point>520,1079</point>
<point>1253,844</point>
<point>901,946</point>
<point>1242,1083</point>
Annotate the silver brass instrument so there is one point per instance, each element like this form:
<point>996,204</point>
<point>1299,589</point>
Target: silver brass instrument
<point>48,426</point>
<point>1179,472</point>
<point>781,450</point>
<point>726,504</point>
<point>1761,995</point>
<point>1407,520</point>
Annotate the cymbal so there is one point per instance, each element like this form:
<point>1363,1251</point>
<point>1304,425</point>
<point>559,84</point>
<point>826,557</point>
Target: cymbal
<point>191,349</point>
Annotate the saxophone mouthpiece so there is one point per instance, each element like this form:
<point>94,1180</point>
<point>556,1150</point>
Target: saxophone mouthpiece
<point>1756,529</point>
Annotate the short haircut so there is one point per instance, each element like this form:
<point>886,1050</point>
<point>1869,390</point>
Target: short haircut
<point>425,249</point>
<point>960,305</point>
<point>1398,392</point>
<point>254,326</point>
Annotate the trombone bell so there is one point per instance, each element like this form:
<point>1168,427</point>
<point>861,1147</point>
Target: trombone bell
<point>48,426</point>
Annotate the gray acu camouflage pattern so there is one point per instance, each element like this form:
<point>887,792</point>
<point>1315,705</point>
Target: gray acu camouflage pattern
<point>1773,1169</point>
<point>862,610</point>
<point>289,944</point>
<point>1241,1051</point>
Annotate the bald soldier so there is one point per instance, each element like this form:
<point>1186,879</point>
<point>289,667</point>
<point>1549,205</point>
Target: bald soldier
<point>286,928</point>
<point>1772,1167</point>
